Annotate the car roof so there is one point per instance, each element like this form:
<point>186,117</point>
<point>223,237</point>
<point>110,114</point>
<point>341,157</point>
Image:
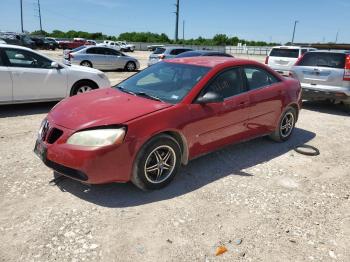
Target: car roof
<point>331,51</point>
<point>15,46</point>
<point>292,47</point>
<point>211,61</point>
<point>175,47</point>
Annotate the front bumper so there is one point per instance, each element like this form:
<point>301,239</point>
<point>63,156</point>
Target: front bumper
<point>90,165</point>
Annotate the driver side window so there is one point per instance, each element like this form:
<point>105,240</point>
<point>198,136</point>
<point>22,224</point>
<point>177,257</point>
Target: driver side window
<point>23,58</point>
<point>228,83</point>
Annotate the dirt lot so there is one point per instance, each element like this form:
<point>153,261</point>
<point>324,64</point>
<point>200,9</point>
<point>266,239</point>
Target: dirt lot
<point>260,199</point>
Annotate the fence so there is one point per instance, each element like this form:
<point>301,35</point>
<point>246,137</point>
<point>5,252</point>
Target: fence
<point>248,50</point>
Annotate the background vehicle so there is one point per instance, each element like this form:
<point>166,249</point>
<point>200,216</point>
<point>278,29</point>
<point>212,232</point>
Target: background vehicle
<point>324,75</point>
<point>184,108</point>
<point>202,53</point>
<point>103,58</point>
<point>154,47</point>
<point>162,53</point>
<point>27,76</point>
<point>73,44</point>
<point>111,44</point>
<point>282,58</point>
<point>44,43</point>
<point>13,38</point>
<point>126,47</point>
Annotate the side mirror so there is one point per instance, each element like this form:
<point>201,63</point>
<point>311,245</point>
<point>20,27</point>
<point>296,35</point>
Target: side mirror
<point>55,65</point>
<point>210,97</point>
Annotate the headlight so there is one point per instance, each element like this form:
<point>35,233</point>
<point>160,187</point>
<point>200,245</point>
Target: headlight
<point>97,137</point>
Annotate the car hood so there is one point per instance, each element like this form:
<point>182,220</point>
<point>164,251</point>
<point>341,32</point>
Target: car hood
<point>83,69</point>
<point>102,107</point>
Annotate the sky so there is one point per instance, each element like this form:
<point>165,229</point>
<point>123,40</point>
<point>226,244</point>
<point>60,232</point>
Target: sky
<point>260,20</point>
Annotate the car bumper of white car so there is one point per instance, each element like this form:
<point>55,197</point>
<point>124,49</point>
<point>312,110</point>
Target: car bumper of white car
<point>311,92</point>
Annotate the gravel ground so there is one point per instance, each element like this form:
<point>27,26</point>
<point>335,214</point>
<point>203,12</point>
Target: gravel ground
<point>259,199</point>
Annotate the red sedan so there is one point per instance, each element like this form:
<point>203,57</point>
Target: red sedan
<point>146,127</point>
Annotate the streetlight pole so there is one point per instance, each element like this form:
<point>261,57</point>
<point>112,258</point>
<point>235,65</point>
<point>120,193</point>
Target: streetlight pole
<point>41,27</point>
<point>21,2</point>
<point>177,20</point>
<point>183,30</point>
<point>295,25</point>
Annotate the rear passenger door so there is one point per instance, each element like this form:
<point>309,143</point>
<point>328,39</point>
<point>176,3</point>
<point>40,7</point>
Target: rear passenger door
<point>5,81</point>
<point>98,58</point>
<point>115,59</point>
<point>266,99</point>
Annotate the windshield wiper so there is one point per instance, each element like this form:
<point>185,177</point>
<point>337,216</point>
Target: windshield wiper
<point>125,91</point>
<point>143,94</point>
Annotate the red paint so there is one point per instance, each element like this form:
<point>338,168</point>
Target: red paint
<point>204,128</point>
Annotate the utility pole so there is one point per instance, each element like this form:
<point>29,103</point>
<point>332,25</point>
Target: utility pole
<point>295,25</point>
<point>183,30</point>
<point>21,3</point>
<point>177,20</point>
<point>336,37</point>
<point>41,27</point>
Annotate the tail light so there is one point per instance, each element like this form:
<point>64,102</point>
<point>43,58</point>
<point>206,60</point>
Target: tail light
<point>70,56</point>
<point>161,57</point>
<point>267,60</point>
<point>347,68</point>
<point>298,61</point>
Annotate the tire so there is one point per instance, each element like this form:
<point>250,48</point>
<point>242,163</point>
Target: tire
<point>130,66</point>
<point>86,63</point>
<point>285,126</point>
<point>162,157</point>
<point>83,87</point>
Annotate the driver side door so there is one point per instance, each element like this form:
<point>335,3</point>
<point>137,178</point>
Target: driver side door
<point>214,125</point>
<point>33,77</point>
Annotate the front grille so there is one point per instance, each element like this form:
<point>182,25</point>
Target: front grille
<point>54,135</point>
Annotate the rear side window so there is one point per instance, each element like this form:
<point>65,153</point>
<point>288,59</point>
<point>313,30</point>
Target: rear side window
<point>284,52</point>
<point>332,60</point>
<point>91,51</point>
<point>258,78</point>
<point>178,51</point>
<point>159,51</point>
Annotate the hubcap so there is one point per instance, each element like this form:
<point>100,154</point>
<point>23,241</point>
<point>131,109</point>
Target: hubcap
<point>160,164</point>
<point>131,67</point>
<point>84,89</point>
<point>287,124</point>
<point>86,64</point>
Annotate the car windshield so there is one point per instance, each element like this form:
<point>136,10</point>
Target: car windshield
<point>159,51</point>
<point>284,52</point>
<point>164,81</point>
<point>334,60</point>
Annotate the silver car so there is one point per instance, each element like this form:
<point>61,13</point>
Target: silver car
<point>162,53</point>
<point>103,58</point>
<point>324,75</point>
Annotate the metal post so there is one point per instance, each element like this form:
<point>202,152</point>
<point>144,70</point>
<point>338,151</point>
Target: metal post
<point>21,2</point>
<point>183,30</point>
<point>177,20</point>
<point>336,37</point>
<point>41,27</point>
<point>295,25</point>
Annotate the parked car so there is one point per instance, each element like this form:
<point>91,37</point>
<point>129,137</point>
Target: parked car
<point>103,58</point>
<point>92,42</point>
<point>66,53</point>
<point>2,41</point>
<point>43,43</point>
<point>162,53</point>
<point>111,44</point>
<point>202,53</point>
<point>144,128</point>
<point>13,38</point>
<point>53,42</point>
<point>74,44</point>
<point>154,47</point>
<point>126,47</point>
<point>27,76</point>
<point>282,58</point>
<point>324,75</point>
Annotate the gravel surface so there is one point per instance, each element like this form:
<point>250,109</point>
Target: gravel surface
<point>259,199</point>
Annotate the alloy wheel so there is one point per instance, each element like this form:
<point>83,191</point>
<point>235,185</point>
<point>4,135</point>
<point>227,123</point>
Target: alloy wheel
<point>287,124</point>
<point>160,164</point>
<point>84,89</point>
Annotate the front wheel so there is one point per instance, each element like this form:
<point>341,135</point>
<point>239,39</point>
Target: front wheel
<point>286,126</point>
<point>130,66</point>
<point>83,87</point>
<point>157,163</point>
<point>86,64</point>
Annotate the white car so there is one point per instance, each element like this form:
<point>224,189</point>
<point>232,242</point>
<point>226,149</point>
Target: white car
<point>111,44</point>
<point>27,76</point>
<point>283,58</point>
<point>2,41</point>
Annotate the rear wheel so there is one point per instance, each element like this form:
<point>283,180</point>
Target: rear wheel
<point>286,126</point>
<point>83,87</point>
<point>86,63</point>
<point>156,163</point>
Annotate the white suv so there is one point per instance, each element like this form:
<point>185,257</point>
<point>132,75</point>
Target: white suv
<point>282,58</point>
<point>28,76</point>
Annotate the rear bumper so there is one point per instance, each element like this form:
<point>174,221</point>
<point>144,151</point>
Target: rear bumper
<point>316,94</point>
